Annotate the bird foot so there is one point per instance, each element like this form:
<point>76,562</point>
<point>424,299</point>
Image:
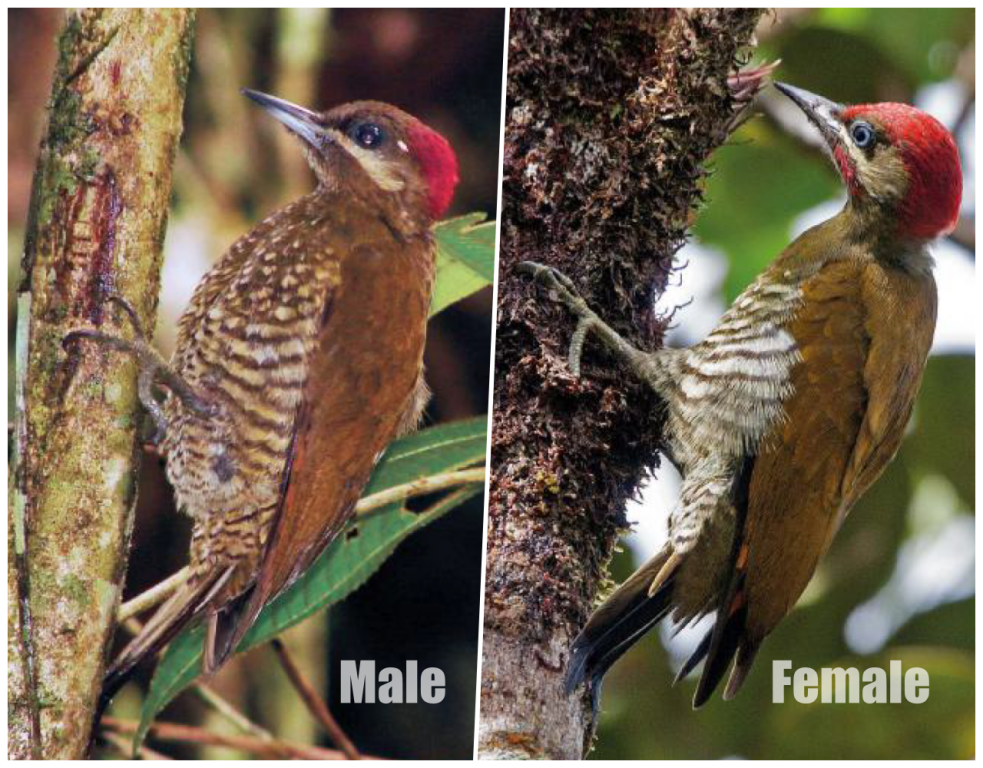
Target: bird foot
<point>562,289</point>
<point>153,370</point>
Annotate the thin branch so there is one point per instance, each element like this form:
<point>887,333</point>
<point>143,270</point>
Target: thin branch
<point>314,702</point>
<point>419,487</point>
<point>209,696</point>
<point>230,713</point>
<point>153,596</point>
<point>26,635</point>
<point>125,748</point>
<point>160,592</point>
<point>189,734</point>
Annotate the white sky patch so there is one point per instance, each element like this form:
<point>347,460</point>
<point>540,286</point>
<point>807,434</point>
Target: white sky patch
<point>187,256</point>
<point>699,282</point>
<point>955,275</point>
<point>649,515</point>
<point>943,101</point>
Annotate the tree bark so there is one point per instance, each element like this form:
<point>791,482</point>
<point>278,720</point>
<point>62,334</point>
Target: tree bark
<point>610,116</point>
<point>96,228</point>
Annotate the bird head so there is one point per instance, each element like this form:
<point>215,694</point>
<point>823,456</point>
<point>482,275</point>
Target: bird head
<point>893,158</point>
<point>368,142</point>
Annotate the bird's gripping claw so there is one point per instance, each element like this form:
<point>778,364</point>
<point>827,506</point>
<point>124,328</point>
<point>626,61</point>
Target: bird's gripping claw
<point>154,369</point>
<point>563,290</point>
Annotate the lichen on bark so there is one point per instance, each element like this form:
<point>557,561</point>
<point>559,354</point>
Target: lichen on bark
<point>97,216</point>
<point>610,118</point>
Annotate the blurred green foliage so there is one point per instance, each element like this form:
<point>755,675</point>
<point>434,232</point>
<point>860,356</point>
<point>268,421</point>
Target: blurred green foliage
<point>761,182</point>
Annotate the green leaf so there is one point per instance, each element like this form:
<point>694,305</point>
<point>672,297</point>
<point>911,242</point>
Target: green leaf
<point>353,556</point>
<point>430,451</point>
<point>465,258</point>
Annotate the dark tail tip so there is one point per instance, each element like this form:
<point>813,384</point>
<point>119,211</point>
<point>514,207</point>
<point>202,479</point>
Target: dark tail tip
<point>116,677</point>
<point>724,643</point>
<point>579,671</point>
<point>577,667</point>
<point>697,656</point>
<point>609,633</point>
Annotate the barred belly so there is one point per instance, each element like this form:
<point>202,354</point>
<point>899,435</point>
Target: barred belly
<point>724,396</point>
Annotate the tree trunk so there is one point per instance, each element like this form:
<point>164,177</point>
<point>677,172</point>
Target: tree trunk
<point>610,116</point>
<point>96,227</point>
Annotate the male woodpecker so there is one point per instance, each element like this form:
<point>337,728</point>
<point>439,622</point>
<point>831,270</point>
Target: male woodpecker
<point>298,360</point>
<point>791,408</point>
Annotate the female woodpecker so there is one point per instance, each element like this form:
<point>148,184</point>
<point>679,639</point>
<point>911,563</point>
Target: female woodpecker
<point>791,408</point>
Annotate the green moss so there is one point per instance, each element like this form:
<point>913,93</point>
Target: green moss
<point>77,591</point>
<point>548,482</point>
<point>46,356</point>
<point>66,122</point>
<point>113,393</point>
<point>125,489</point>
<point>182,54</point>
<point>57,313</point>
<point>47,700</point>
<point>43,584</point>
<point>93,388</point>
<point>88,164</point>
<point>57,178</point>
<point>67,43</point>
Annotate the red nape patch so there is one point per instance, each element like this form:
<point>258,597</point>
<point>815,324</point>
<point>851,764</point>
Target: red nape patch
<point>935,179</point>
<point>439,166</point>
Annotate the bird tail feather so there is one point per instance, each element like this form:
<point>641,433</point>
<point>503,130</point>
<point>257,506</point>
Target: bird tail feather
<point>621,621</point>
<point>161,628</point>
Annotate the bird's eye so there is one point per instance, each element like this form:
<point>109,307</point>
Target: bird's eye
<point>863,135</point>
<point>368,135</point>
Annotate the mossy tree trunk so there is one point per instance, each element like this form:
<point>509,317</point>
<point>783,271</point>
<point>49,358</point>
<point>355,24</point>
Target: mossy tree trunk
<point>610,117</point>
<point>96,228</point>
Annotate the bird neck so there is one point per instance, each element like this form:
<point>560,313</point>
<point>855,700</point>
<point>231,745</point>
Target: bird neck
<point>873,228</point>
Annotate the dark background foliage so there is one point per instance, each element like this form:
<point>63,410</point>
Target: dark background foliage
<point>234,166</point>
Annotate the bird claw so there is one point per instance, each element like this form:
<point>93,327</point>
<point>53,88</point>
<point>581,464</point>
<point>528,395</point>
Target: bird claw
<point>556,281</point>
<point>131,313</point>
<point>152,368</point>
<point>566,293</point>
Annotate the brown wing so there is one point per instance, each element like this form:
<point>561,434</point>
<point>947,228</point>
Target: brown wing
<point>902,337</point>
<point>864,333</point>
<point>361,380</point>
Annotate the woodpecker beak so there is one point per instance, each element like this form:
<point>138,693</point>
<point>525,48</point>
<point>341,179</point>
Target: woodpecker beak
<point>299,120</point>
<point>822,113</point>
